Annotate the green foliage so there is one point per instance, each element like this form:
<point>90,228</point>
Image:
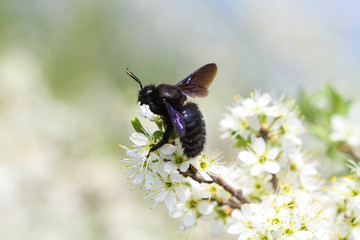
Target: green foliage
<point>240,142</point>
<point>157,135</point>
<point>138,127</point>
<point>319,107</point>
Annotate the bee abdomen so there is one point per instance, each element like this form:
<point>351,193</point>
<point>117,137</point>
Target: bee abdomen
<point>194,139</point>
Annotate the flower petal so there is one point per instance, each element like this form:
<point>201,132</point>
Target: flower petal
<point>176,177</point>
<point>236,228</point>
<point>205,176</point>
<point>190,219</point>
<point>217,228</point>
<point>272,111</point>
<point>247,157</point>
<point>170,167</point>
<point>264,100</point>
<point>167,149</point>
<point>139,139</point>
<point>272,167</point>
<point>259,146</point>
<point>273,153</point>
<point>205,207</point>
<point>256,169</point>
<point>184,166</point>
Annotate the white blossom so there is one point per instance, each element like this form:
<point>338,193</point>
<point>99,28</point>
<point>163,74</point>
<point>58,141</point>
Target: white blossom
<point>168,189</point>
<point>347,128</point>
<point>259,158</point>
<point>289,201</point>
<point>147,113</point>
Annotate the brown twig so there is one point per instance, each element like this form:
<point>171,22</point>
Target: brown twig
<point>274,181</point>
<point>226,202</point>
<point>264,133</point>
<point>349,151</point>
<point>195,176</point>
<point>236,193</point>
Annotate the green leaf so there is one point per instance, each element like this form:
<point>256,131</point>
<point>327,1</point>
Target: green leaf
<point>160,124</point>
<point>339,104</point>
<point>319,131</point>
<point>157,135</point>
<point>319,107</point>
<point>137,126</point>
<point>241,142</point>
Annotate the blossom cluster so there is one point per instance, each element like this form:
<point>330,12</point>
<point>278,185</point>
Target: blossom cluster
<point>272,190</point>
<point>163,172</point>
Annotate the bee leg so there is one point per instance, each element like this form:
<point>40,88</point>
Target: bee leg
<point>164,140</point>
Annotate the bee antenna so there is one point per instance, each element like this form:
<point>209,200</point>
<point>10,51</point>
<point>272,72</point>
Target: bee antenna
<point>130,74</point>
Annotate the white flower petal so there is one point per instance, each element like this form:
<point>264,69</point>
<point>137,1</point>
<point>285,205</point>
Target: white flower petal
<point>249,103</point>
<point>205,207</point>
<point>217,228</point>
<point>149,181</point>
<point>241,112</point>
<point>228,123</point>
<point>167,149</point>
<point>176,177</point>
<point>247,157</point>
<point>236,228</point>
<point>139,139</point>
<point>170,202</point>
<point>259,146</point>
<point>161,196</point>
<point>303,235</point>
<point>272,111</point>
<point>273,153</point>
<point>180,194</point>
<point>256,169</point>
<point>272,167</point>
<point>264,100</point>
<point>336,136</point>
<point>247,209</point>
<point>337,122</point>
<point>205,176</point>
<point>189,219</point>
<point>184,166</point>
<point>237,214</point>
<point>170,167</point>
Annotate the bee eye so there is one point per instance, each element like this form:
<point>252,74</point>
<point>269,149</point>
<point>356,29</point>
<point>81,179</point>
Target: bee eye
<point>148,92</point>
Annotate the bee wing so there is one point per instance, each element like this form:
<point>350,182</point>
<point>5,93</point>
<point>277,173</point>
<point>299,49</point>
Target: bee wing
<point>176,119</point>
<point>197,83</point>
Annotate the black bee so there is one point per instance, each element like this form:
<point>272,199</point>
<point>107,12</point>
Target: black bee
<point>168,101</point>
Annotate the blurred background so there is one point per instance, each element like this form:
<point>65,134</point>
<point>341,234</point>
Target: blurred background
<point>66,101</point>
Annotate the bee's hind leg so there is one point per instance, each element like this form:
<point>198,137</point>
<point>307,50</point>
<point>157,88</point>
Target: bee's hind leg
<point>165,139</point>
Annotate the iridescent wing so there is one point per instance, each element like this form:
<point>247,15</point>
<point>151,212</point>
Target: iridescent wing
<point>176,119</point>
<point>197,83</point>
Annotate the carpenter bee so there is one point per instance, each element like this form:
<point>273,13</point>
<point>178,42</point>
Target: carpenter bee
<point>168,101</point>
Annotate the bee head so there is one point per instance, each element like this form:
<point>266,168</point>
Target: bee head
<point>146,94</point>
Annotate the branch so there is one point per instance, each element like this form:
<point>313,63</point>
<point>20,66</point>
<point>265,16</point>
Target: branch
<point>274,181</point>
<point>349,151</point>
<point>236,193</point>
<point>226,202</point>
<point>195,176</point>
<point>264,133</point>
